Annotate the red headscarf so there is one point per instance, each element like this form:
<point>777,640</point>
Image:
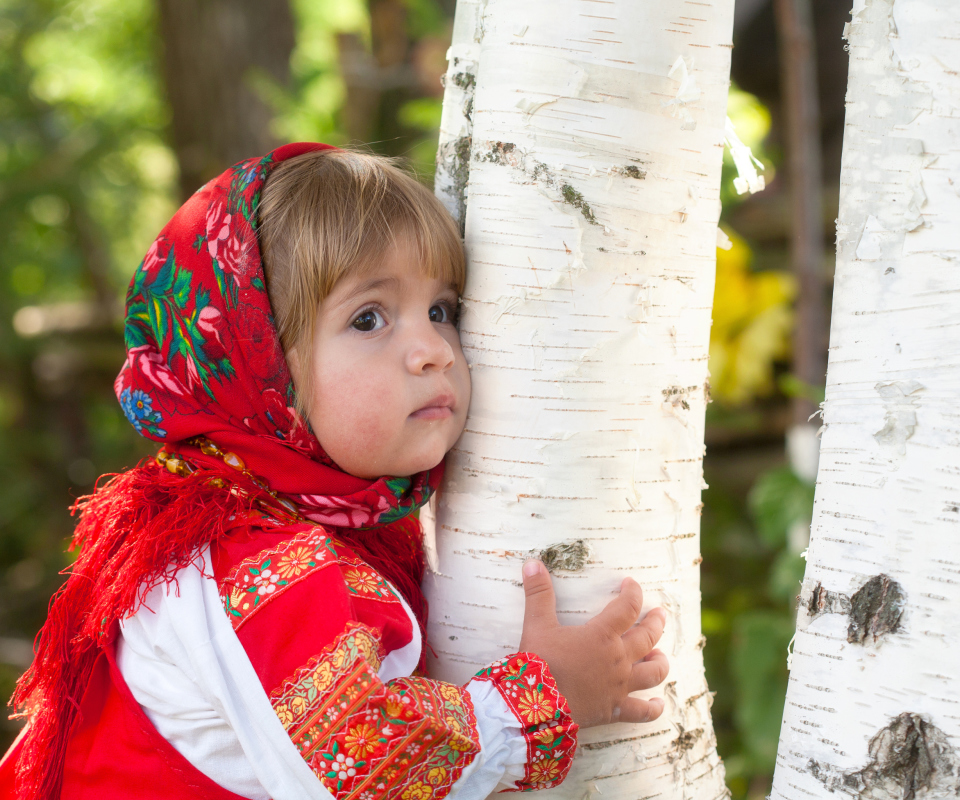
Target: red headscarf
<point>203,359</point>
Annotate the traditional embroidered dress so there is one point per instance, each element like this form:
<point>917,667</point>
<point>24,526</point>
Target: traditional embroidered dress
<point>225,635</point>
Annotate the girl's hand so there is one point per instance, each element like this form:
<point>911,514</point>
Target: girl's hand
<point>597,664</point>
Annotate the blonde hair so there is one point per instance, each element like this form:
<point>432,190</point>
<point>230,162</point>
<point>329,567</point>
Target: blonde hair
<point>333,213</point>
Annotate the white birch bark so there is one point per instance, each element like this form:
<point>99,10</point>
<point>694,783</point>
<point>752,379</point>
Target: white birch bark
<point>596,135</point>
<point>872,706</point>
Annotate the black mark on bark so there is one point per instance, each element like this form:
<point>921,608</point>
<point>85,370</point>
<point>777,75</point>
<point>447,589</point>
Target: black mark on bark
<point>574,198</point>
<point>465,80</point>
<point>823,601</point>
<point>565,556</point>
<point>508,154</point>
<point>910,758</point>
<point>455,156</point>
<point>685,741</point>
<point>631,171</point>
<point>874,610</point>
<point>677,395</point>
<point>503,153</point>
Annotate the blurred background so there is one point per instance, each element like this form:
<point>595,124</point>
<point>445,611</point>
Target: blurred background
<point>113,111</point>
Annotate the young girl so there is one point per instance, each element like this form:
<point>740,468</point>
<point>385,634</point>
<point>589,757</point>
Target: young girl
<point>244,619</point>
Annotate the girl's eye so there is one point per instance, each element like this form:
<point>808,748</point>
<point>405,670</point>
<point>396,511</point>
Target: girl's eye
<point>440,313</point>
<point>369,320</point>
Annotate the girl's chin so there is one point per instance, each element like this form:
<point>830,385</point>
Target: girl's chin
<point>404,469</point>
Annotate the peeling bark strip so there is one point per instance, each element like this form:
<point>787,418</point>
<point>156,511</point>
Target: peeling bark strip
<point>888,475</point>
<point>456,122</point>
<point>589,166</point>
<point>910,758</point>
<point>874,609</point>
<point>823,601</point>
<point>453,157</point>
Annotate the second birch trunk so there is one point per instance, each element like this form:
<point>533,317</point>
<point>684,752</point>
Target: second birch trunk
<point>872,703</point>
<point>581,149</point>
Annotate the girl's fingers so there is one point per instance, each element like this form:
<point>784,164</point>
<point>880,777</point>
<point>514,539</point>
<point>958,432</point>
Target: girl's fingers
<point>633,709</point>
<point>540,608</point>
<point>651,671</point>
<point>621,612</point>
<point>640,639</point>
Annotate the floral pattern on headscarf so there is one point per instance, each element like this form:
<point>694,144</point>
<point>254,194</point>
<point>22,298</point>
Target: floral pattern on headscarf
<point>204,357</point>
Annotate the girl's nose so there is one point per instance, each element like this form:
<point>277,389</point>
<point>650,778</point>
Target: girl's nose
<point>428,350</point>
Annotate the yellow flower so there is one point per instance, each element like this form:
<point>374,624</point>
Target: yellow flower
<point>534,707</point>
<point>394,706</point>
<point>752,320</point>
<point>544,771</point>
<point>284,713</point>
<point>367,647</point>
<point>437,775</point>
<point>298,706</point>
<point>451,693</point>
<point>322,676</point>
<point>546,736</point>
<point>362,581</point>
<point>461,743</point>
<point>417,791</point>
<point>295,562</point>
<point>511,669</point>
<point>453,724</point>
<point>361,741</point>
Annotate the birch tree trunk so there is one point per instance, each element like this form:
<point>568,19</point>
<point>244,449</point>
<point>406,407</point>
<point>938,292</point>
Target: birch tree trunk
<point>872,704</point>
<point>581,148</point>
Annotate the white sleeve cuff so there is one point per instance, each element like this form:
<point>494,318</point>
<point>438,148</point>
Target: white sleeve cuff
<point>503,749</point>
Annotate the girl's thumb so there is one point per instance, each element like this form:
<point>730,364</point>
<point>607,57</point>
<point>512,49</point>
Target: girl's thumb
<point>540,608</point>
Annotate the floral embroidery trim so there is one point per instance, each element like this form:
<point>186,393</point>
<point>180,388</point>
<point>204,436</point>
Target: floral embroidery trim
<point>525,683</point>
<point>263,577</point>
<point>364,581</point>
<point>409,739</point>
<point>256,580</point>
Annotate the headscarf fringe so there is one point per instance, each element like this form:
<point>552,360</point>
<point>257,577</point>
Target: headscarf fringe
<point>136,530</point>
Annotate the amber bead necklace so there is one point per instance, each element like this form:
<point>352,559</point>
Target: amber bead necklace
<point>178,465</point>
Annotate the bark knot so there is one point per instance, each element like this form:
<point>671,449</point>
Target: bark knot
<point>875,609</point>
<point>909,758</point>
<point>565,556</point>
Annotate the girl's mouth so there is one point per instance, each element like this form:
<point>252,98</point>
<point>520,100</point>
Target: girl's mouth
<point>440,407</point>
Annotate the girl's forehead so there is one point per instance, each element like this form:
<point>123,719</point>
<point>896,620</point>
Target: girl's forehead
<point>396,275</point>
<point>401,263</point>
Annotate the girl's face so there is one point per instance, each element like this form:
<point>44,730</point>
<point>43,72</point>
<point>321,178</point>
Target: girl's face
<point>391,384</point>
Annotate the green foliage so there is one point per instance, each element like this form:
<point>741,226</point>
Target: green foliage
<point>85,181</point>
<point>759,666</point>
<point>310,111</point>
<point>778,500</point>
<point>751,536</point>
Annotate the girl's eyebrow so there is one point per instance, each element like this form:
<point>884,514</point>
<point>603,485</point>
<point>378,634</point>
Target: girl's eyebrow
<point>369,286</point>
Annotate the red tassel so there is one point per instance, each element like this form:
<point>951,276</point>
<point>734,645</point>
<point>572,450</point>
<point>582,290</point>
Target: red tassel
<point>136,531</point>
